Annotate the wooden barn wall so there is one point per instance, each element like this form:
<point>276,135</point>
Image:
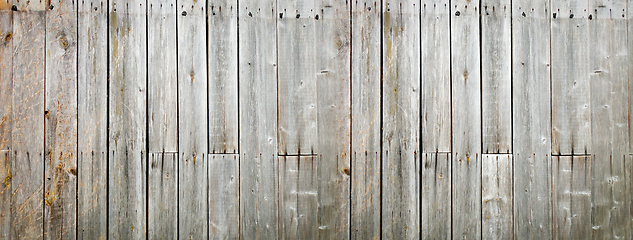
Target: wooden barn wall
<point>316,119</point>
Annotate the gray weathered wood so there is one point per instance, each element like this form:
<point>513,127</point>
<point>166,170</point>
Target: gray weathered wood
<point>496,196</point>
<point>611,198</point>
<point>571,187</point>
<point>162,208</point>
<point>571,115</point>
<point>6,123</point>
<point>296,84</point>
<point>258,120</point>
<point>333,98</point>
<point>496,71</point>
<point>60,119</point>
<point>92,119</point>
<point>224,196</point>
<point>127,160</point>
<point>629,8</point>
<point>436,81</point>
<point>27,166</point>
<point>222,68</point>
<point>366,119</point>
<point>436,196</point>
<point>162,100</point>
<point>401,119</point>
<point>466,119</point>
<point>298,208</point>
<point>531,119</point>
<point>5,194</point>
<point>193,132</point>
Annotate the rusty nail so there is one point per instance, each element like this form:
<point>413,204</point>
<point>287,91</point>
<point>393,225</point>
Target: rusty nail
<point>184,13</point>
<point>457,13</point>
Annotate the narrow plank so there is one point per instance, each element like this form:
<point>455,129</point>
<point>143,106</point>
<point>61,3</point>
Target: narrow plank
<point>192,121</point>
<point>571,107</point>
<point>436,196</point>
<point>6,123</point>
<point>401,121</point>
<point>224,196</point>
<point>297,100</point>
<point>531,119</point>
<point>222,68</point>
<point>496,196</point>
<point>629,8</point>
<point>466,119</point>
<point>60,210</point>
<point>162,98</point>
<point>366,120</point>
<point>496,71</point>
<point>298,197</point>
<point>162,208</point>
<point>611,198</point>
<point>334,120</point>
<point>27,166</point>
<point>259,197</point>
<point>92,69</point>
<point>571,186</point>
<point>127,160</point>
<point>436,72</point>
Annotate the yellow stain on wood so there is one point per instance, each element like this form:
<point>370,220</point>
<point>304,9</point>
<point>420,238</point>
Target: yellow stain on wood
<point>49,197</point>
<point>7,179</point>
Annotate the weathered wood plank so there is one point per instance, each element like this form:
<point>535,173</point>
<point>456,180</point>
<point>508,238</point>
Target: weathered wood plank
<point>162,98</point>
<point>401,120</point>
<point>571,107</point>
<point>92,116</point>
<point>629,8</point>
<point>127,161</point>
<point>258,120</point>
<point>436,72</point>
<point>571,186</point>
<point>436,196</point>
<point>298,208</point>
<point>6,123</point>
<point>531,119</point>
<point>366,119</point>
<point>333,98</point>
<point>222,68</point>
<point>192,121</point>
<point>496,71</point>
<point>610,198</point>
<point>496,196</point>
<point>466,119</point>
<point>224,196</point>
<point>60,210</point>
<point>162,208</point>
<point>27,166</point>
<point>297,121</point>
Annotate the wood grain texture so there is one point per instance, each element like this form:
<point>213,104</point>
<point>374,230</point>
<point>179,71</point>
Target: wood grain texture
<point>571,96</point>
<point>224,196</point>
<point>60,119</point>
<point>298,197</point>
<point>5,194</point>
<point>162,208</point>
<point>496,71</point>
<point>436,76</point>
<point>466,119</point>
<point>192,120</point>
<point>629,20</point>
<point>162,97</point>
<point>571,187</point>
<point>27,166</point>
<point>258,120</point>
<point>127,159</point>
<point>296,82</point>
<point>401,119</point>
<point>531,119</point>
<point>92,69</point>
<point>6,123</point>
<point>366,120</point>
<point>436,196</point>
<point>496,196</point>
<point>610,190</point>
<point>334,120</point>
<point>222,70</point>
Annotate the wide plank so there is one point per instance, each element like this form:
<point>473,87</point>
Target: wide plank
<point>571,187</point>
<point>436,196</point>
<point>496,196</point>
<point>298,197</point>
<point>224,196</point>
<point>162,193</point>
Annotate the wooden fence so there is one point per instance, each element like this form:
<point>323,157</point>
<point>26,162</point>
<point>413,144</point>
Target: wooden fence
<point>306,119</point>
